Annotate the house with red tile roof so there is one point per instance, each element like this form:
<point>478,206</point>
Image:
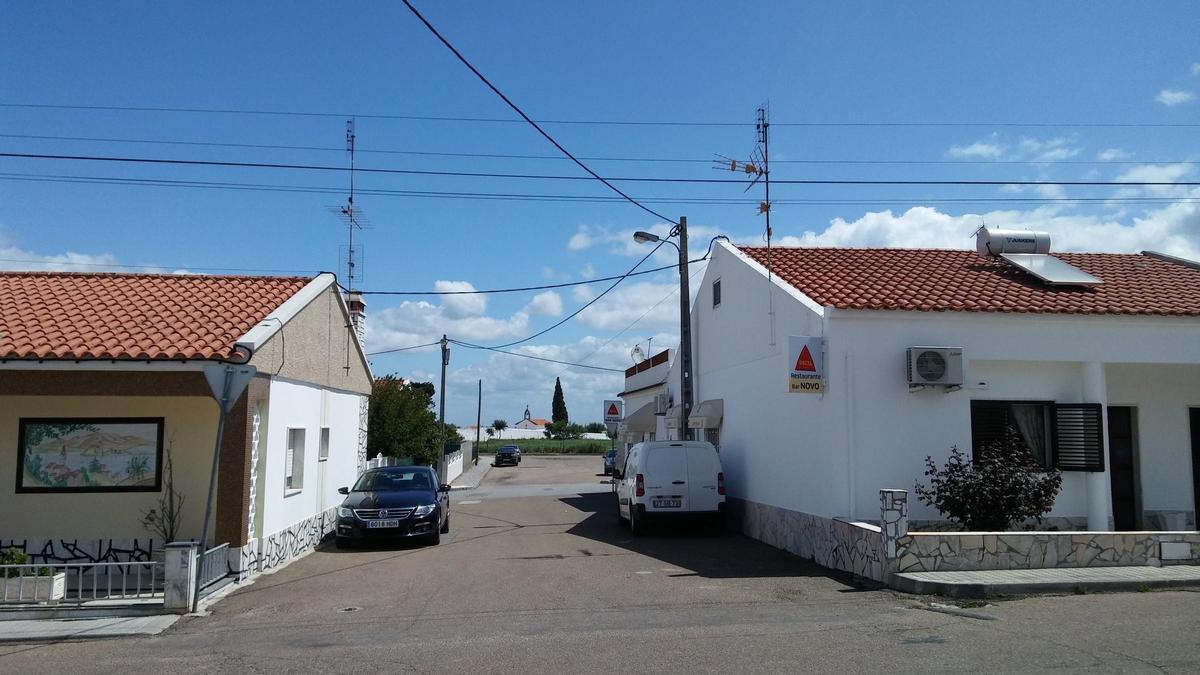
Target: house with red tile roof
<point>826,375</point>
<point>105,405</point>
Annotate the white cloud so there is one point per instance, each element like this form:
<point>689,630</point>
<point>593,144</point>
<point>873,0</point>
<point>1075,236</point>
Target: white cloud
<point>460,306</point>
<point>1026,148</point>
<point>548,303</point>
<point>621,241</point>
<point>15,258</point>
<point>1174,228</point>
<point>657,300</point>
<point>977,150</point>
<point>581,240</point>
<point>1113,155</point>
<point>1049,150</point>
<point>421,322</point>
<point>1174,97</point>
<point>587,272</point>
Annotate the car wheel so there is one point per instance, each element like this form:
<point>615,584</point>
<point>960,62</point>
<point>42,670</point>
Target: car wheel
<point>446,525</point>
<point>342,542</point>
<point>636,527</point>
<point>435,538</point>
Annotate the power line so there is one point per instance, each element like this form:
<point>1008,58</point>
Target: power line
<point>528,119</point>
<point>522,289</point>
<point>537,358</point>
<point>672,160</point>
<point>585,199</point>
<point>589,303</point>
<point>401,349</point>
<point>597,122</point>
<point>607,181</point>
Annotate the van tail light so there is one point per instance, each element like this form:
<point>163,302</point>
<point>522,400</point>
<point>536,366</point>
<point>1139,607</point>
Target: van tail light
<point>721,483</point>
<point>639,486</point>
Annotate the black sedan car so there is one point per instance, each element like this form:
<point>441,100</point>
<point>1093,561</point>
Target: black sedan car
<point>508,454</point>
<point>610,461</point>
<point>392,503</point>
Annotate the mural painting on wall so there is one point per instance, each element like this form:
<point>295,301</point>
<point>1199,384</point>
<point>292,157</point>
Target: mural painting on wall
<point>90,454</point>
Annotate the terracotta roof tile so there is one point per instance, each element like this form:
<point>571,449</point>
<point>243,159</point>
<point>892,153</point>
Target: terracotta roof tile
<point>132,316</point>
<point>936,280</point>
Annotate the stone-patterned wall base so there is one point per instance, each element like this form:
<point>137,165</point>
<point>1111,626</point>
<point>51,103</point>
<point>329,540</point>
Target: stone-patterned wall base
<point>850,547</point>
<point>49,551</point>
<point>244,561</point>
<point>930,552</point>
<point>300,539</point>
<point>1168,521</point>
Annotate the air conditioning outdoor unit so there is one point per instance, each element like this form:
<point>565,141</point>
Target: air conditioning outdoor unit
<point>935,366</point>
<point>662,404</point>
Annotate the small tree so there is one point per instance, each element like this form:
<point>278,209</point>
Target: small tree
<point>499,426</point>
<point>558,407</point>
<point>1003,486</point>
<point>596,428</point>
<point>490,432</point>
<point>165,518</point>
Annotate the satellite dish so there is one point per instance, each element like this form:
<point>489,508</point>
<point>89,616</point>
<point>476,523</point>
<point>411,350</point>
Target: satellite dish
<point>637,354</point>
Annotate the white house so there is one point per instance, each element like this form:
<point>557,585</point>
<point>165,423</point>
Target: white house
<point>645,382</point>
<point>101,383</point>
<point>1102,380</point>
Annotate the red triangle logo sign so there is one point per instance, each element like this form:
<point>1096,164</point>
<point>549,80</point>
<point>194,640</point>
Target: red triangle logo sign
<point>805,362</point>
<point>612,409</point>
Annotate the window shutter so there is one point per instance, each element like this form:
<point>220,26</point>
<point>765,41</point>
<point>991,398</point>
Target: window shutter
<point>989,423</point>
<point>1079,437</point>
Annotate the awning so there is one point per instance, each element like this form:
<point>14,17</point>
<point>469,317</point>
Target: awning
<point>707,415</point>
<point>640,421</point>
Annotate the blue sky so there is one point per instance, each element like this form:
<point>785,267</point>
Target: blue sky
<point>1004,74</point>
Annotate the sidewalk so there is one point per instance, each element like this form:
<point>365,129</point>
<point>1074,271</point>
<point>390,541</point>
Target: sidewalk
<point>51,630</point>
<point>474,475</point>
<point>1063,580</point>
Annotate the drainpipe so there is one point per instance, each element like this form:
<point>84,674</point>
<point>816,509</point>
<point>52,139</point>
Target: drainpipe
<point>1099,485</point>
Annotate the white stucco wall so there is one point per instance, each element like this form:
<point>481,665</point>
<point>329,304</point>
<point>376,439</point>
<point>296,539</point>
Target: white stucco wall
<point>830,454</point>
<point>299,405</point>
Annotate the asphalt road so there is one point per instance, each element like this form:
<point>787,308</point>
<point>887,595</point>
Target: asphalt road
<point>551,583</point>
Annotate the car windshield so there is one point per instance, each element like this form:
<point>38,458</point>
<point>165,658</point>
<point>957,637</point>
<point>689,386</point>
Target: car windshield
<point>393,481</point>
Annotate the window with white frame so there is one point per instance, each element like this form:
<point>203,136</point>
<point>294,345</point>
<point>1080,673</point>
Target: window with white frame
<point>293,463</point>
<point>323,450</point>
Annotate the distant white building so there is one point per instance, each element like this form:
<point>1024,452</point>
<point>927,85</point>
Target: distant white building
<point>531,424</point>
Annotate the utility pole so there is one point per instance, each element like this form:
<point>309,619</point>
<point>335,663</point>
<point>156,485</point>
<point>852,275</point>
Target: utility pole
<point>442,404</point>
<point>478,423</point>
<point>685,331</point>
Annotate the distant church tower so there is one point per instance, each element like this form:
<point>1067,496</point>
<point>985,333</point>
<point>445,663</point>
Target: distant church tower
<point>527,411</point>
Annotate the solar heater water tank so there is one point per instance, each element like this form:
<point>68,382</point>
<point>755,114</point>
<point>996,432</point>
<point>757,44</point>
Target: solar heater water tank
<point>995,242</point>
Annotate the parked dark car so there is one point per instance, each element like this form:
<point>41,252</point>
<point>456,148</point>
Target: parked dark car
<point>393,503</point>
<point>610,461</point>
<point>507,455</point>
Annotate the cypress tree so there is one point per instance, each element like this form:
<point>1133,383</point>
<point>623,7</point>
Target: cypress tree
<point>558,408</point>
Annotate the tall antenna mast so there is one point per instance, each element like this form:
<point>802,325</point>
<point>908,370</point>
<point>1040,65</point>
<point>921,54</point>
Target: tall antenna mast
<point>759,166</point>
<point>348,210</point>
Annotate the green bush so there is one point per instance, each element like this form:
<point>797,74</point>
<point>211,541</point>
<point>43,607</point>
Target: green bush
<point>1003,486</point>
<point>537,446</point>
<point>15,556</point>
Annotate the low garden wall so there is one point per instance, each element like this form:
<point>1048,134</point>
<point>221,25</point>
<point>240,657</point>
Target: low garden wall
<point>842,545</point>
<point>906,551</point>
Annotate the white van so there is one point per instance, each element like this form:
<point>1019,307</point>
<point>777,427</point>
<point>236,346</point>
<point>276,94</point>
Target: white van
<point>661,479</point>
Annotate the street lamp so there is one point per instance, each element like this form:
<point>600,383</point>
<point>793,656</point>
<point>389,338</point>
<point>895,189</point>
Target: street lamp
<point>685,316</point>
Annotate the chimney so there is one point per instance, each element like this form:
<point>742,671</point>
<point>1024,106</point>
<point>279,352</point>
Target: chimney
<point>358,313</point>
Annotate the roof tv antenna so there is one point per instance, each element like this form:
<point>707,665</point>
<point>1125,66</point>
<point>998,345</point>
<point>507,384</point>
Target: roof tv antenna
<point>351,215</point>
<point>758,168</point>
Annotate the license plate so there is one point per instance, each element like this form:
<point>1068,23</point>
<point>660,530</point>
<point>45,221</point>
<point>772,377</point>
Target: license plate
<point>667,503</point>
<point>373,524</point>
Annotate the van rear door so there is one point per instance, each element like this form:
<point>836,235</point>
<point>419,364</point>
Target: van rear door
<point>703,467</point>
<point>666,475</point>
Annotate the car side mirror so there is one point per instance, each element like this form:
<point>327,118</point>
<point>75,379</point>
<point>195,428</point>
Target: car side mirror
<point>343,491</point>
<point>443,488</point>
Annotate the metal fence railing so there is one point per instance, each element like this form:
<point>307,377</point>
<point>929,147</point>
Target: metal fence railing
<point>214,565</point>
<point>81,582</point>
